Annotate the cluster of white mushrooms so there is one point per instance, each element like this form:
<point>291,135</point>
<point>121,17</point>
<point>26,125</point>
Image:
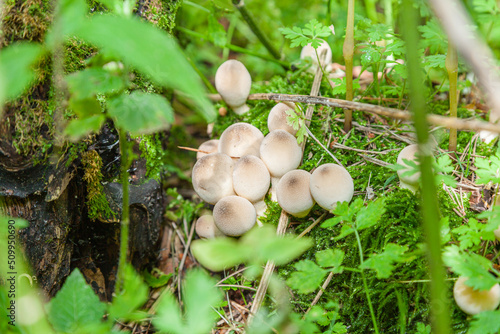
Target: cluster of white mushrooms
<point>240,168</point>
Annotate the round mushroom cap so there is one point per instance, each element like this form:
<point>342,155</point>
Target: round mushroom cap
<point>293,193</point>
<point>408,153</point>
<point>251,178</point>
<point>308,51</point>
<point>280,152</point>
<point>497,233</point>
<point>212,177</point>
<point>233,82</point>
<point>277,119</point>
<point>210,146</point>
<point>331,184</point>
<point>474,301</point>
<point>205,227</point>
<point>240,139</point>
<point>234,215</point>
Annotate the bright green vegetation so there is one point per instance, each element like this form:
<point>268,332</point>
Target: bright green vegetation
<point>375,247</point>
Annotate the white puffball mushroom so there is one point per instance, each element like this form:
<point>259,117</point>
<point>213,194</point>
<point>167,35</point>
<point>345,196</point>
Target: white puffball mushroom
<point>277,119</point>
<point>251,180</point>
<point>205,227</point>
<point>331,184</point>
<point>240,139</point>
<point>233,82</point>
<point>473,301</point>
<point>408,182</point>
<point>234,215</point>
<point>212,177</point>
<point>210,146</point>
<point>308,51</point>
<point>293,193</point>
<point>497,233</point>
<point>281,153</point>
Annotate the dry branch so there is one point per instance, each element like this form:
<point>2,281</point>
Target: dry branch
<point>437,120</point>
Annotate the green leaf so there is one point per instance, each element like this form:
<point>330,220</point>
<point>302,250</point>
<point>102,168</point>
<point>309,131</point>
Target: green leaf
<point>433,37</point>
<point>85,107</point>
<point>307,278</point>
<point>473,234</point>
<point>473,266</point>
<point>383,263</point>
<point>16,72</point>
<point>88,83</point>
<point>75,305</point>
<point>370,215</point>
<point>141,113</point>
<point>81,127</point>
<point>309,35</point>
<point>485,322</point>
<point>488,170</point>
<point>219,253</point>
<point>331,258</point>
<point>156,278</point>
<point>70,16</point>
<point>435,61</point>
<point>200,296</point>
<point>134,294</point>
<point>266,245</point>
<point>149,50</point>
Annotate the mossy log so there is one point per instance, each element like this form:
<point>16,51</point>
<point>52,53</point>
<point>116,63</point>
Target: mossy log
<point>49,186</point>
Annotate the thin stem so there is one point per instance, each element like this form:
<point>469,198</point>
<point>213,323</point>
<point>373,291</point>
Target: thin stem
<point>440,319</point>
<point>452,68</point>
<point>365,284</point>
<point>255,29</point>
<point>124,232</point>
<point>348,52</point>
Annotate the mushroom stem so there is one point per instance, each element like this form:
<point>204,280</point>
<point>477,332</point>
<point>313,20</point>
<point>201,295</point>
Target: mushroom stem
<point>274,185</point>
<point>260,209</point>
<point>240,110</point>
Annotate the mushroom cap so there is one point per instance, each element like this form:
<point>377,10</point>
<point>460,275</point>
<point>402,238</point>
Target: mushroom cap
<point>234,215</point>
<point>308,51</point>
<point>240,139</point>
<point>205,227</point>
<point>233,82</point>
<point>331,184</point>
<point>474,301</point>
<point>280,152</point>
<point>497,233</point>
<point>408,153</point>
<point>212,177</point>
<point>277,119</point>
<point>210,146</point>
<point>293,193</point>
<point>251,178</point>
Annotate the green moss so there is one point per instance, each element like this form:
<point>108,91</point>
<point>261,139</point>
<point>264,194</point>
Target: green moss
<point>152,151</point>
<point>162,13</point>
<point>75,54</point>
<point>97,204</point>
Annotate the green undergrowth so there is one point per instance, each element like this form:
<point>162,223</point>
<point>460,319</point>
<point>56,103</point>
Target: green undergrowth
<point>401,302</point>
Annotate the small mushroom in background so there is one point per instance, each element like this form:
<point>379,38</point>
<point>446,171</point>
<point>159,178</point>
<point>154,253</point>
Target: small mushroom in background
<point>241,139</point>
<point>497,233</point>
<point>281,153</point>
<point>233,82</point>
<point>210,146</point>
<point>408,182</point>
<point>212,177</point>
<point>251,180</point>
<point>293,193</point>
<point>205,227</point>
<point>277,119</point>
<point>331,184</point>
<point>308,52</point>
<point>234,215</point>
<point>473,301</point>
